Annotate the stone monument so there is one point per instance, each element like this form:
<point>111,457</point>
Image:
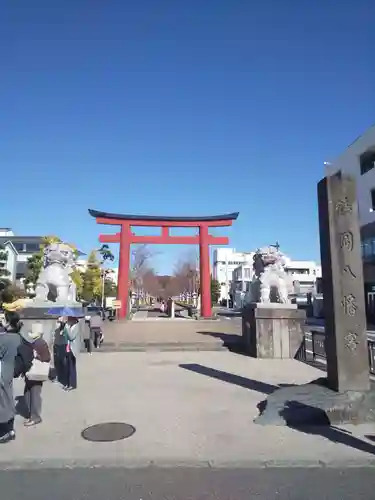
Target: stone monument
<point>343,288</point>
<point>54,289</point>
<point>346,395</point>
<point>272,327</point>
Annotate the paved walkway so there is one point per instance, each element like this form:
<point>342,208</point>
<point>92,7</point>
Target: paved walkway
<point>188,408</point>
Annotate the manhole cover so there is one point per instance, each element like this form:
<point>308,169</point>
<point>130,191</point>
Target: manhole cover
<point>107,432</point>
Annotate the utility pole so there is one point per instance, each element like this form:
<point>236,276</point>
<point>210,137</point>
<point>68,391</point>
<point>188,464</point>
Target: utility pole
<point>227,279</point>
<point>103,284</point>
<point>104,274</point>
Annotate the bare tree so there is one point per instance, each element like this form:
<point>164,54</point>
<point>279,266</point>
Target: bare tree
<point>151,283</point>
<point>172,288</point>
<point>186,274</point>
<point>140,265</point>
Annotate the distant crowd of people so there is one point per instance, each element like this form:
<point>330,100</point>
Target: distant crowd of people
<point>26,355</point>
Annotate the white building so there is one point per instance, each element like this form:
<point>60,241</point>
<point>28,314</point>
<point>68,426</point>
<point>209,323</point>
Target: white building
<point>241,279</point>
<point>10,265</point>
<point>358,160</point>
<point>303,273</point>
<point>114,275</point>
<point>24,246</point>
<point>81,265</point>
<point>225,261</point>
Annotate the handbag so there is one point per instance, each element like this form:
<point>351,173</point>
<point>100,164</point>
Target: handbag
<point>39,371</point>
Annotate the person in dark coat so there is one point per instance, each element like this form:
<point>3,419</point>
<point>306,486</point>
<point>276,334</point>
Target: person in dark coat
<point>9,343</point>
<point>96,329</point>
<point>87,336</point>
<point>59,351</point>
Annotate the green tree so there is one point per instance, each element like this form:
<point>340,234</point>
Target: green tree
<point>106,254</point>
<point>91,278</point>
<point>10,293</point>
<point>215,290</point>
<point>110,288</point>
<point>77,278</point>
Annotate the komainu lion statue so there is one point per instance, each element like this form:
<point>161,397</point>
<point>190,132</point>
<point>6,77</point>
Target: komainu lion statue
<point>54,282</point>
<point>270,282</point>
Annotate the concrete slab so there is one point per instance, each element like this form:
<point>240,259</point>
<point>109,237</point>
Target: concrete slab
<point>188,408</point>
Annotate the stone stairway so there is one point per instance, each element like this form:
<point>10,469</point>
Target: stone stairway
<point>167,335</point>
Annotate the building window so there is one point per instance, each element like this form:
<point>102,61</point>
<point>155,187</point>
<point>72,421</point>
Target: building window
<point>367,161</point>
<point>247,273</point>
<point>32,247</point>
<point>366,249</point>
<point>372,192</point>
<point>20,247</point>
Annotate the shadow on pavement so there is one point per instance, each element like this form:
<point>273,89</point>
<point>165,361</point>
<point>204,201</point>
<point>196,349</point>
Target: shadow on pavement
<point>247,383</point>
<point>231,341</point>
<point>323,427</point>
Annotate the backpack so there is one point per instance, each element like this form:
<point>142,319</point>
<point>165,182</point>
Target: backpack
<point>24,358</point>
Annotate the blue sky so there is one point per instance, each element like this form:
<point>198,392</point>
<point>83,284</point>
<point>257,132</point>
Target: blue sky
<point>184,107</point>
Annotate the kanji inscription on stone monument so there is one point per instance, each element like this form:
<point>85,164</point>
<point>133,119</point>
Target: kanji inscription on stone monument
<point>351,339</point>
<point>349,304</point>
<point>343,206</point>
<point>346,241</point>
<point>347,269</point>
<point>343,289</point>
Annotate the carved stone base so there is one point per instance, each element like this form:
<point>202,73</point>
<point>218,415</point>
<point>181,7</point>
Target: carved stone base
<point>316,404</point>
<point>37,312</point>
<point>272,330</point>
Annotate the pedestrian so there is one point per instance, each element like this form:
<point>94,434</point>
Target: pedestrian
<point>87,336</point>
<point>96,328</point>
<point>59,351</point>
<point>72,333</point>
<point>9,343</point>
<point>35,377</point>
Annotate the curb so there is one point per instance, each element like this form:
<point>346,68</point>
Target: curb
<point>188,464</point>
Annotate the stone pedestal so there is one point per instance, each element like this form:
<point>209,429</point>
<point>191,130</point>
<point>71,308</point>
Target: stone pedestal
<point>170,308</point>
<point>272,330</point>
<point>37,314</point>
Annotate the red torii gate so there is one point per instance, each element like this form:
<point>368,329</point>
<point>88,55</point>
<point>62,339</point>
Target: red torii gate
<point>126,237</point>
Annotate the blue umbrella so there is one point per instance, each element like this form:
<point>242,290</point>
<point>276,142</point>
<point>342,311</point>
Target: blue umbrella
<point>65,311</point>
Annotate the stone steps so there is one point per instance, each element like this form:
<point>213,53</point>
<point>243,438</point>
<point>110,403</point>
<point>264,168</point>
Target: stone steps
<point>214,345</point>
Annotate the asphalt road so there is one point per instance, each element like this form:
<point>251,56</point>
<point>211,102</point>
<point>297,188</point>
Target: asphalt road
<point>188,484</point>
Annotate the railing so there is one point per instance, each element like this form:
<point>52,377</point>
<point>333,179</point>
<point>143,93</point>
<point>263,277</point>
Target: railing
<point>314,350</point>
